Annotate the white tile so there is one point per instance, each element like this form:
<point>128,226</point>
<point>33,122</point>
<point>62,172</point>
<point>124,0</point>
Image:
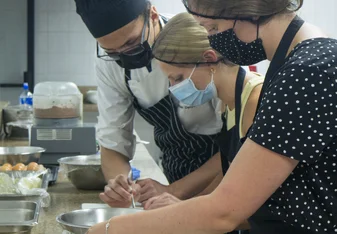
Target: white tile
<point>83,80</point>
<point>58,21</point>
<point>80,42</point>
<point>2,66</point>
<point>41,5</point>
<point>17,20</point>
<point>41,21</point>
<point>13,4</point>
<point>58,64</point>
<point>41,63</point>
<point>58,5</point>
<point>76,24</point>
<point>2,42</point>
<point>58,77</point>
<point>58,42</point>
<point>15,65</point>
<point>41,42</point>
<point>90,44</point>
<point>40,77</point>
<point>15,43</point>
<point>2,21</point>
<point>72,6</point>
<point>80,64</point>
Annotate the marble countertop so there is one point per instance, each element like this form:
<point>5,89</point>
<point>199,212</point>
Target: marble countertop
<point>65,197</point>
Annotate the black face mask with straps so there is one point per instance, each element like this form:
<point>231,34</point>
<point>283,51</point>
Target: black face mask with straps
<point>238,52</point>
<point>140,60</point>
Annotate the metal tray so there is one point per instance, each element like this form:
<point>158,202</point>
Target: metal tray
<point>21,174</point>
<point>18,216</point>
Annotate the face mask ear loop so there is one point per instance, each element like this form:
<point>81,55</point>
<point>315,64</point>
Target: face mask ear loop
<point>195,67</point>
<point>234,26</point>
<point>258,29</point>
<point>236,47</point>
<point>212,74</point>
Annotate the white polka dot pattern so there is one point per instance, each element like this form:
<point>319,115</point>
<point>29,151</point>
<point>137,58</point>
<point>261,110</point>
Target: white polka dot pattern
<point>231,47</point>
<point>298,119</point>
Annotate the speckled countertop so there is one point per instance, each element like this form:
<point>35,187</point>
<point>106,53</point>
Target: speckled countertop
<point>65,197</point>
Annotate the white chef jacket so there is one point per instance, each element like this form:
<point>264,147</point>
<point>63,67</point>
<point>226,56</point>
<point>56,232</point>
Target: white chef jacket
<point>116,110</point>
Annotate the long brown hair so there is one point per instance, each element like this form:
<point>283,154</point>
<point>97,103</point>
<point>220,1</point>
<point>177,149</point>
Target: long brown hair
<point>243,8</point>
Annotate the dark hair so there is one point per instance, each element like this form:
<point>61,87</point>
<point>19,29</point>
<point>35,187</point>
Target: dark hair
<point>146,10</point>
<point>264,9</point>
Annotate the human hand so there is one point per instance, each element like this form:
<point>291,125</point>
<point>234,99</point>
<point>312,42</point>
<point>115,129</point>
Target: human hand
<point>117,193</point>
<point>163,200</point>
<point>151,188</point>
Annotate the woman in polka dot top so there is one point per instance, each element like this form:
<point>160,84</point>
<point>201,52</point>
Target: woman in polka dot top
<point>287,167</point>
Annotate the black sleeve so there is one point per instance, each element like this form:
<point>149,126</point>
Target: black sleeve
<point>297,116</point>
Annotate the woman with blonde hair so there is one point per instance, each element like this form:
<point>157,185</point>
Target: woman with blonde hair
<point>287,166</point>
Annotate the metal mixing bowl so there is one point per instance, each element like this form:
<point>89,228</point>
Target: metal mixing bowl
<point>25,155</point>
<point>79,221</point>
<point>84,172</point>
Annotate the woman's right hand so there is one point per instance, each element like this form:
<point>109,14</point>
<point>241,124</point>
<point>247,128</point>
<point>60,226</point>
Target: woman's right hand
<point>117,193</point>
<point>163,200</point>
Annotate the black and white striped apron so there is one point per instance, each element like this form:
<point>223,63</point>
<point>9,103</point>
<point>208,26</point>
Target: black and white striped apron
<point>183,152</point>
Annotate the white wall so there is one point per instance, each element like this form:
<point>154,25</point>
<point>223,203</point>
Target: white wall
<point>13,50</point>
<point>65,50</point>
<point>321,13</point>
<point>169,6</point>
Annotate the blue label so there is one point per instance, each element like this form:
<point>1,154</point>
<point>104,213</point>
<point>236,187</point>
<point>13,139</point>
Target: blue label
<point>135,173</point>
<point>29,101</point>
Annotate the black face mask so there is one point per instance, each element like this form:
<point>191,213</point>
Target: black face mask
<point>238,52</point>
<point>140,60</point>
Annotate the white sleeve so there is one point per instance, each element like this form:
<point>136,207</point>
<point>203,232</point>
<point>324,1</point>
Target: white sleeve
<point>116,111</point>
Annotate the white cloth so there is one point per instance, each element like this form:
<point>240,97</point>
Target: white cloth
<point>116,111</point>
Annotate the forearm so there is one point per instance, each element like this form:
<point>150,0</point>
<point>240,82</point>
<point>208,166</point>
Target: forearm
<point>217,180</point>
<point>197,181</point>
<point>113,163</point>
<point>195,216</point>
<point>213,185</point>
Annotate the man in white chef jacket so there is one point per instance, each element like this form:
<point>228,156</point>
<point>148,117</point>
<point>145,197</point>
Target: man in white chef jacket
<point>129,81</point>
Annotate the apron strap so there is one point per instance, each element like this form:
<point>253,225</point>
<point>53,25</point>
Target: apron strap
<point>240,79</point>
<point>280,54</point>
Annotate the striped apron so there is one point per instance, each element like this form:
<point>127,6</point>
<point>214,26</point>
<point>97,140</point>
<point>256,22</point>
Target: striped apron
<point>183,152</point>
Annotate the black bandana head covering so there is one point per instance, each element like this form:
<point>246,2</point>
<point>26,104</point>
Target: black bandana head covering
<point>103,17</point>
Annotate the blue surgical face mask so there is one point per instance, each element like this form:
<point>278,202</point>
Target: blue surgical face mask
<point>189,95</point>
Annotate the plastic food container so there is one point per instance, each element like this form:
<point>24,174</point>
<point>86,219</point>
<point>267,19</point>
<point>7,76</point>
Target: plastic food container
<point>57,100</point>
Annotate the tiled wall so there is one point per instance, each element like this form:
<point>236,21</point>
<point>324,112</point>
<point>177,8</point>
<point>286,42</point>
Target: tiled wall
<point>13,51</point>
<point>65,50</point>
